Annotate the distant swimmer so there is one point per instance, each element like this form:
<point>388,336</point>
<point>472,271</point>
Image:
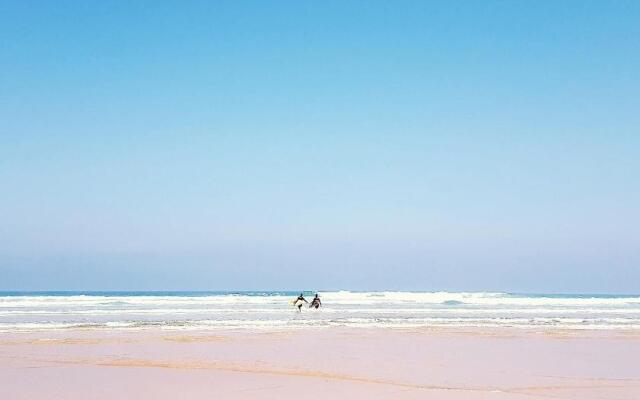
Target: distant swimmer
<point>300,299</point>
<point>315,303</point>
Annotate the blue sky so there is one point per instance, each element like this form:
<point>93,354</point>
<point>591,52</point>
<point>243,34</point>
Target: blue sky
<point>320,145</point>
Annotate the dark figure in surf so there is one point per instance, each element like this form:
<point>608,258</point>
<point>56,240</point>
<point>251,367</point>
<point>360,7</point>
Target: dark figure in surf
<point>300,299</point>
<point>315,303</point>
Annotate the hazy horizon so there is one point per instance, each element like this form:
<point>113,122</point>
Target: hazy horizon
<point>285,292</point>
<point>468,146</point>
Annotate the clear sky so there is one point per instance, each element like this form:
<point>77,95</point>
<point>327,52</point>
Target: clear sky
<point>419,145</point>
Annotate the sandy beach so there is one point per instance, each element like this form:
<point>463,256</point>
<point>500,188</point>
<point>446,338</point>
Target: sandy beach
<point>337,362</point>
<point>320,200</point>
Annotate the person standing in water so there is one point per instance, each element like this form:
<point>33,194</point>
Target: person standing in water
<point>300,299</point>
<point>315,303</point>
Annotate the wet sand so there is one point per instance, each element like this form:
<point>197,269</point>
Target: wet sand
<point>337,362</point>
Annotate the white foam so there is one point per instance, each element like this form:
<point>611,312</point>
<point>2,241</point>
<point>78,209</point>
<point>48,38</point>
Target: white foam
<point>344,308</point>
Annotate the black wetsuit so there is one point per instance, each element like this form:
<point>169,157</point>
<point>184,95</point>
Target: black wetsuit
<point>315,303</point>
<point>300,299</point>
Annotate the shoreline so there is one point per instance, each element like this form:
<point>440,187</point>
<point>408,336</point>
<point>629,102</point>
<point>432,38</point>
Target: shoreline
<point>155,330</point>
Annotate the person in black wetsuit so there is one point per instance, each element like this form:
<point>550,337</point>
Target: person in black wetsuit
<point>315,303</point>
<point>300,299</point>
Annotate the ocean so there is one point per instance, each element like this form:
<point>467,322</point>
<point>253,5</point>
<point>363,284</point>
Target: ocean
<point>272,310</point>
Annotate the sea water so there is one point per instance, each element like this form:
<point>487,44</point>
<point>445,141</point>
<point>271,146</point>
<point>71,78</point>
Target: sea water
<point>272,310</point>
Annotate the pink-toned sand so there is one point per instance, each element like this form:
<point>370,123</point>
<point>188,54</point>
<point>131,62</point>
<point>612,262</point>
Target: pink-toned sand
<point>326,364</point>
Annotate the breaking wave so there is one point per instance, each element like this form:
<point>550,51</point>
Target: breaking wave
<point>273,310</point>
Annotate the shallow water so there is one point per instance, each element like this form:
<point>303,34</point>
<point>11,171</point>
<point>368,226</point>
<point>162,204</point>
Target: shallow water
<point>26,311</point>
